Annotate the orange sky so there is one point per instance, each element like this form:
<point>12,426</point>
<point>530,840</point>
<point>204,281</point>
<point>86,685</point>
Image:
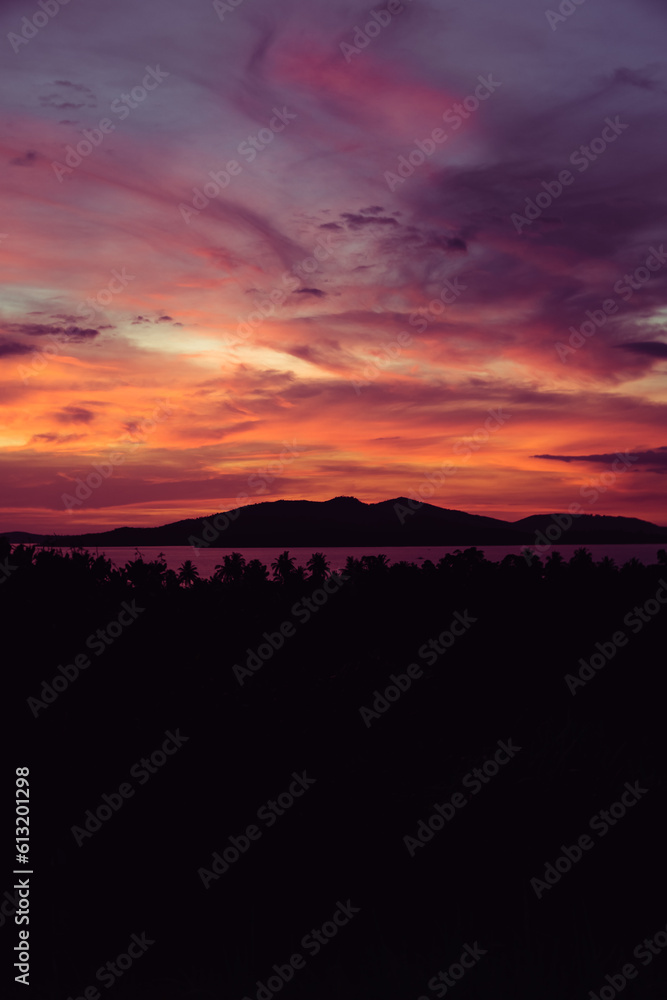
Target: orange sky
<point>398,313</point>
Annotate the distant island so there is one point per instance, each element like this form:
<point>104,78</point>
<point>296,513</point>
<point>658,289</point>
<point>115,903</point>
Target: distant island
<point>346,521</point>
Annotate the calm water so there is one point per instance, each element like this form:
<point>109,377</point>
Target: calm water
<point>206,559</point>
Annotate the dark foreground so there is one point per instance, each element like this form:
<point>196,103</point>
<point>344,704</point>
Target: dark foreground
<point>232,792</point>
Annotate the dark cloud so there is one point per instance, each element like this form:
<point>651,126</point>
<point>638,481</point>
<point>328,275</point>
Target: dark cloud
<point>24,161</point>
<point>133,426</point>
<point>75,334</point>
<point>636,78</point>
<point>75,86</point>
<point>654,459</point>
<point>74,415</point>
<point>53,102</point>
<point>220,433</point>
<point>10,348</point>
<point>79,335</point>
<point>331,225</point>
<point>65,99</point>
<point>310,291</point>
<point>55,438</point>
<point>160,319</point>
<point>430,240</point>
<point>652,348</point>
<point>354,221</point>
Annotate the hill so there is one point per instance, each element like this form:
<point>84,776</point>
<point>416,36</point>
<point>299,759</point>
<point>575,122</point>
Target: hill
<point>348,521</point>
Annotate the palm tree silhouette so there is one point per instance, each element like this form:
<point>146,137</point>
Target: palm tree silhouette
<point>188,573</point>
<point>514,563</point>
<point>375,564</point>
<point>353,567</point>
<point>231,569</point>
<point>449,561</point>
<point>606,566</point>
<point>318,564</point>
<point>283,567</point>
<point>474,556</point>
<point>554,566</point>
<point>23,555</point>
<point>255,572</point>
<point>582,560</point>
<point>633,567</point>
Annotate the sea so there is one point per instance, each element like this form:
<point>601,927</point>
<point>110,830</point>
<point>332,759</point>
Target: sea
<point>207,559</point>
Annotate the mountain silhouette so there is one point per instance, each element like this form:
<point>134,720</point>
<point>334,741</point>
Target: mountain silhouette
<point>351,522</point>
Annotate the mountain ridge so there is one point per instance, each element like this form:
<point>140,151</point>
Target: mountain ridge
<point>349,521</point>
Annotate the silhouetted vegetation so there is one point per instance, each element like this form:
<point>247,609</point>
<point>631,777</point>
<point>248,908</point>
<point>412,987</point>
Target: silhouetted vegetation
<point>504,678</point>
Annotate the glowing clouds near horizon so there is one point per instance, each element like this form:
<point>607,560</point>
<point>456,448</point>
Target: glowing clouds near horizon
<point>371,325</point>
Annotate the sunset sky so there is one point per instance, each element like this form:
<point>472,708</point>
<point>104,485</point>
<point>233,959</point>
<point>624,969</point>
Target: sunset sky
<point>326,323</point>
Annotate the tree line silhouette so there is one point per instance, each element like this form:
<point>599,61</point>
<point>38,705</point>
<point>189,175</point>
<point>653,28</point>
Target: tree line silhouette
<point>468,564</point>
<point>173,667</point>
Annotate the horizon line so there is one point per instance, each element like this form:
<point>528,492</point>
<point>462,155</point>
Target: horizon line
<point>398,499</point>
